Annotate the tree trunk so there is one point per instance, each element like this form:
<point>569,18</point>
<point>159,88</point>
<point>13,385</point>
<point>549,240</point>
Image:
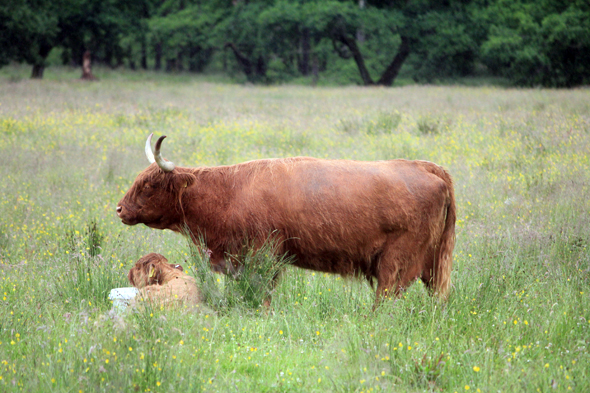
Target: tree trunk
<point>78,54</point>
<point>360,33</point>
<point>315,69</point>
<point>193,62</point>
<point>242,60</point>
<point>170,65</point>
<point>87,67</point>
<point>119,57</point>
<point>143,53</point>
<point>39,67</point>
<point>252,71</point>
<point>358,58</point>
<point>179,61</point>
<point>108,56</point>
<point>158,59</point>
<point>391,72</point>
<point>37,71</point>
<point>304,49</point>
<point>224,61</point>
<point>260,67</point>
<point>199,57</point>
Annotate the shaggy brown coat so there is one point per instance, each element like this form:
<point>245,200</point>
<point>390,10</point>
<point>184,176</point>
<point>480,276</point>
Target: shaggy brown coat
<point>163,284</point>
<point>393,221</point>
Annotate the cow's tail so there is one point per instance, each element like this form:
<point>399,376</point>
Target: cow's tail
<point>441,281</point>
<point>444,259</point>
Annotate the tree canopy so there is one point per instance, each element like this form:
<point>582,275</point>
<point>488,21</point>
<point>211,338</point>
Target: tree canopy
<point>369,42</point>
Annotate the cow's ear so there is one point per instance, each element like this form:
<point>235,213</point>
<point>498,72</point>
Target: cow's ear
<point>184,180</point>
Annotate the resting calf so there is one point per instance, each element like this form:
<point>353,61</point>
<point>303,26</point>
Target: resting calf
<point>164,284</point>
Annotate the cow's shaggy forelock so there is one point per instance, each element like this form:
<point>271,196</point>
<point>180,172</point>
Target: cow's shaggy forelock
<point>172,182</point>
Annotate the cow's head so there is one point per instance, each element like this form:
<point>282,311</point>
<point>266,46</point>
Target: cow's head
<point>152,269</point>
<point>154,199</point>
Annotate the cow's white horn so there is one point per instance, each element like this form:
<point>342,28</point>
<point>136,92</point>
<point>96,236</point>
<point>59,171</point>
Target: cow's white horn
<point>148,149</point>
<point>167,166</point>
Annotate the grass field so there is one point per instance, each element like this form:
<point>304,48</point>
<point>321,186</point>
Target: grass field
<point>518,318</point>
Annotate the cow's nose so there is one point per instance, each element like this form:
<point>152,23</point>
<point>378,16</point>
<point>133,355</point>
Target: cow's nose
<point>119,210</point>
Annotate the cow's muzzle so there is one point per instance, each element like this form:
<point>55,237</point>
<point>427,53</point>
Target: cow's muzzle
<point>123,213</point>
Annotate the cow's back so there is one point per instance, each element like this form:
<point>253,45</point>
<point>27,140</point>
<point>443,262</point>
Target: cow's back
<point>336,209</point>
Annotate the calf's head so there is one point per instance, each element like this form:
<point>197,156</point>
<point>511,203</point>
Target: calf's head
<point>152,269</point>
<point>155,196</point>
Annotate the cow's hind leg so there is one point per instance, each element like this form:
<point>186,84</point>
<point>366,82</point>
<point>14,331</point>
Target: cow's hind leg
<point>401,263</point>
<point>427,277</point>
<point>387,273</point>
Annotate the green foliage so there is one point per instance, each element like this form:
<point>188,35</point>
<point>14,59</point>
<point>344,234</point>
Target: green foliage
<point>93,238</point>
<point>254,282</point>
<point>428,125</point>
<point>428,371</point>
<point>529,42</point>
<point>88,277</point>
<point>249,286</point>
<point>28,31</point>
<point>241,30</point>
<point>97,26</point>
<point>449,52</point>
<point>200,268</point>
<point>186,32</point>
<point>383,122</point>
<point>539,44</point>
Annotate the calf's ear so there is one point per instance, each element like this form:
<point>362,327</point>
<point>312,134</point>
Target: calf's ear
<point>177,267</point>
<point>155,275</point>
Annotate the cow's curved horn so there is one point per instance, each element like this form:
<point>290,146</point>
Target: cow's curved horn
<point>167,166</point>
<point>148,149</point>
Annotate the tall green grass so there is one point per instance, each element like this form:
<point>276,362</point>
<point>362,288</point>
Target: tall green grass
<point>251,278</point>
<point>517,318</point>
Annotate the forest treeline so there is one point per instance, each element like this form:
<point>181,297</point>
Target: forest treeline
<point>528,42</point>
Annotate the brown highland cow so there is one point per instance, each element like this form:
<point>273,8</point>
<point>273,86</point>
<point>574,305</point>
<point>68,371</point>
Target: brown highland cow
<point>393,221</point>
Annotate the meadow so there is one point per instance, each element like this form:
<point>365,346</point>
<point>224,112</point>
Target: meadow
<point>517,319</point>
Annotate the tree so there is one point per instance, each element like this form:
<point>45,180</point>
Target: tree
<point>240,32</point>
<point>434,33</point>
<point>287,35</point>
<point>286,38</point>
<point>96,25</point>
<point>29,31</point>
<point>449,47</point>
<point>185,31</point>
<point>539,43</point>
<point>341,23</point>
<point>530,42</point>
